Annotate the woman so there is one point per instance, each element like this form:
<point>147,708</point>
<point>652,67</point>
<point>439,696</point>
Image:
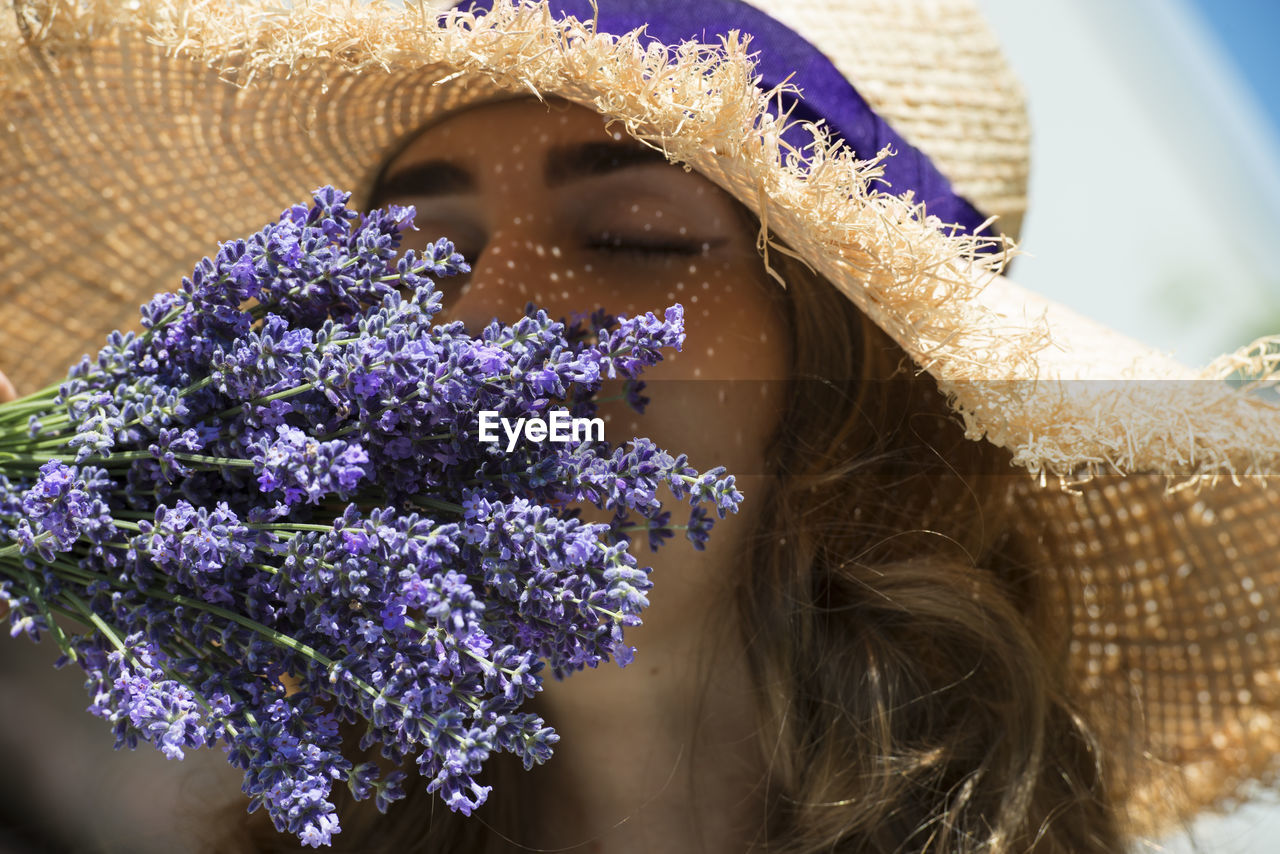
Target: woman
<point>893,647</point>
<point>677,756</point>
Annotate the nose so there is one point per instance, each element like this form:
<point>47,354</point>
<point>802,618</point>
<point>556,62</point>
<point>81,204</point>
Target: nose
<point>521,263</point>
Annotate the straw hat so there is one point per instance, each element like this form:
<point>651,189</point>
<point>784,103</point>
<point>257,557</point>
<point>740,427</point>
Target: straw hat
<point>134,135</point>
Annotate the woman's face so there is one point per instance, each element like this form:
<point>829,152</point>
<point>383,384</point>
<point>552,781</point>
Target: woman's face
<point>548,206</point>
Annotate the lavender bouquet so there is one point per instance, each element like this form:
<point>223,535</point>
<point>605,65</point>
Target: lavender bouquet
<point>272,514</point>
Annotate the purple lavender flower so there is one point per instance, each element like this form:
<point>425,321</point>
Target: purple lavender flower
<point>296,488</point>
<point>300,466</point>
<point>145,704</point>
<point>64,504</point>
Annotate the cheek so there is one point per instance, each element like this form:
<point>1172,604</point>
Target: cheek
<point>734,328</point>
<point>718,400</point>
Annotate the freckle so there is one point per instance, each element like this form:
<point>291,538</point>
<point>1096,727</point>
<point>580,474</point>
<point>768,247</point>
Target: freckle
<point>693,268</point>
<point>706,247</point>
<point>519,166</point>
<point>657,215</point>
<point>763,337</point>
<point>617,134</point>
<point>555,277</point>
<point>679,286</point>
<point>697,372</point>
<point>555,251</point>
<point>497,168</point>
<point>517,148</point>
<point>706,312</point>
<point>497,250</point>
<point>706,286</point>
<point>528,244</point>
<point>716,298</point>
<point>698,191</point>
<point>541,250</point>
<point>537,296</point>
<point>653,671</point>
<point>684,230</point>
<point>719,339</point>
<point>715,223</point>
<point>586,267</point>
<point>542,137</point>
<point>635,208</point>
<point>524,289</point>
<point>693,298</point>
<point>511,264</point>
<point>518,220</point>
<point>501,281</point>
<point>568,274</point>
<point>564,295</point>
<point>648,226</point>
<point>711,351</point>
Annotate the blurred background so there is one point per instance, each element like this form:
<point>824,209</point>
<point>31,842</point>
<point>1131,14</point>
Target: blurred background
<point>1155,164</point>
<point>1155,197</point>
<point>1155,193</point>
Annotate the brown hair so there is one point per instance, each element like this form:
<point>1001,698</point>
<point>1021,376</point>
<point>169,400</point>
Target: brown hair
<point>916,700</point>
<point>911,697</point>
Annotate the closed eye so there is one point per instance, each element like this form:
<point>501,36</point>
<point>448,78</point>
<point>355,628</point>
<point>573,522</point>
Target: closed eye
<point>642,248</point>
<point>645,248</point>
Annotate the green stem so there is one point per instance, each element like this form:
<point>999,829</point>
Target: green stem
<point>16,411</point>
<point>280,395</point>
<point>28,445</point>
<point>438,504</point>
<point>7,457</point>
<point>14,549</point>
<point>59,636</point>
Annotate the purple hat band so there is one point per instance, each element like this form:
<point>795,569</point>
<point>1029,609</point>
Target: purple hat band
<point>782,52</point>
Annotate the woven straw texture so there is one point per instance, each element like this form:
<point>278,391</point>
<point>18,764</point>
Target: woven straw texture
<point>134,136</point>
<point>935,72</point>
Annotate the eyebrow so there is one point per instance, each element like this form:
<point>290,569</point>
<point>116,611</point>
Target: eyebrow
<point>564,164</point>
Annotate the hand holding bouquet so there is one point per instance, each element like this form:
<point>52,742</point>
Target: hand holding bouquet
<point>280,480</point>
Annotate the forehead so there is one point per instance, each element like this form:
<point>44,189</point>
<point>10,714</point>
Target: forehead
<point>517,125</point>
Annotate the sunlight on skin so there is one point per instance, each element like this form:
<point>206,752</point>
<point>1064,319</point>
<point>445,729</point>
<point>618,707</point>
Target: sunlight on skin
<point>621,775</point>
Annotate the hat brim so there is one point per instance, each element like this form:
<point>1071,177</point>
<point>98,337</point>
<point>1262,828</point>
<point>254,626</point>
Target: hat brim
<point>134,140</point>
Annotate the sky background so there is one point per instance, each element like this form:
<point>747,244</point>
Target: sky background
<point>1247,30</point>
<point>1155,196</point>
<point>1155,179</point>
